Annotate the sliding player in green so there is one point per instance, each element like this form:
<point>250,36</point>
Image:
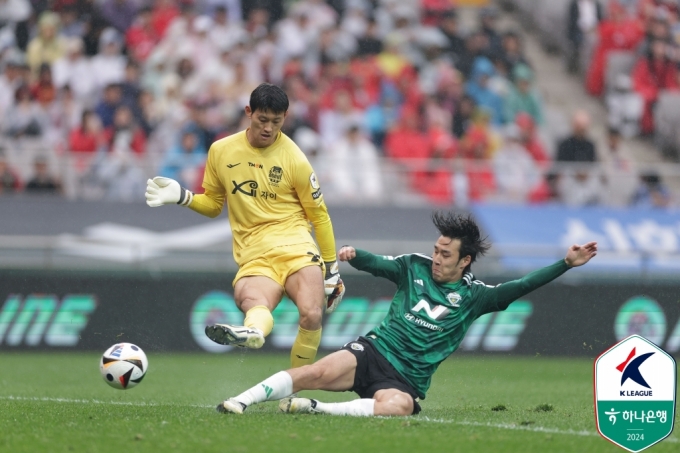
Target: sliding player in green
<point>437,300</point>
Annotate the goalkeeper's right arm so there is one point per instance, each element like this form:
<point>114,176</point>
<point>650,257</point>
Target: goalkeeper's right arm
<point>161,191</point>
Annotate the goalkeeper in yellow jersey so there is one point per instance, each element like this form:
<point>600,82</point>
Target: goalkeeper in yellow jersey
<point>272,196</point>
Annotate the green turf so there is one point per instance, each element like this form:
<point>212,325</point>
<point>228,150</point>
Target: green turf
<point>540,405</point>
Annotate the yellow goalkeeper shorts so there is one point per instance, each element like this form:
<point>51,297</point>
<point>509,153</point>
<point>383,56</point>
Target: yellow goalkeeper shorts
<point>280,262</point>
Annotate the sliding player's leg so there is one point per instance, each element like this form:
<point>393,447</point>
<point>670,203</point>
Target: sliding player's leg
<point>334,372</point>
<point>305,287</point>
<point>256,296</point>
<point>385,402</point>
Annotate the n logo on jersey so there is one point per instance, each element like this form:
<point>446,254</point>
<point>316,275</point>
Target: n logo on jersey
<point>439,311</point>
<point>252,185</point>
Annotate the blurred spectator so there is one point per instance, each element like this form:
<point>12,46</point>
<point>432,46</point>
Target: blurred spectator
<point>87,138</point>
<point>231,8</point>
<point>75,71</point>
<point>355,167</point>
<point>48,46</point>
<point>9,180</point>
<point>43,90</point>
<point>462,116</point>
<point>10,80</point>
<point>516,172</point>
<point>42,181</point>
<point>71,25</point>
<point>25,118</point>
<point>125,132</point>
<point>141,37</point>
<point>651,192</point>
<point>651,74</point>
<point>577,147</point>
<point>64,114</point>
<point>164,12</point>
<point>184,161</point>
<point>477,88</point>
<point>584,17</point>
<point>476,45</point>
<point>449,26</point>
<point>530,140</point>
<point>523,97</point>
<point>198,124</point>
<point>226,32</point>
<point>369,43</point>
<point>512,51</point>
<point>405,140</point>
<point>619,172</point>
<point>624,107</point>
<point>108,66</point>
<point>487,19</point>
<point>106,108</point>
<point>381,117</point>
<point>119,13</point>
<point>547,191</point>
<point>618,31</point>
<point>580,187</point>
<point>130,89</point>
<point>333,122</point>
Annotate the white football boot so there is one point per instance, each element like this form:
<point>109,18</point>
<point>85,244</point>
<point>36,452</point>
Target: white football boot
<point>245,337</point>
<point>231,406</point>
<point>298,406</point>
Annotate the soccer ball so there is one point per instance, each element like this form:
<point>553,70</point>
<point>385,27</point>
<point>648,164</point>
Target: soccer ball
<point>123,365</point>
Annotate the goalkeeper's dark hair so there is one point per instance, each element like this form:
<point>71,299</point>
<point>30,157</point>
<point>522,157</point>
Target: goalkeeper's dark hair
<point>464,228</point>
<point>268,98</point>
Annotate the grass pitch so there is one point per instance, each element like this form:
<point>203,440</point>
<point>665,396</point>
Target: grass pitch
<point>59,403</point>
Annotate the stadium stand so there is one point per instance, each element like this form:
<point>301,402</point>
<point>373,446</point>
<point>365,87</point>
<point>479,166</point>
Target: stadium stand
<point>432,98</point>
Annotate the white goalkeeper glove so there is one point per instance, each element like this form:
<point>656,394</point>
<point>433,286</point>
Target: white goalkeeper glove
<point>160,191</point>
<point>333,286</point>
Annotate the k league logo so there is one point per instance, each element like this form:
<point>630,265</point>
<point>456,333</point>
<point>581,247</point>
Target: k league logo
<point>635,384</point>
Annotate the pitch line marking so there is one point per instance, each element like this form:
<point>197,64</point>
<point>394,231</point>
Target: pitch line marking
<point>509,426</point>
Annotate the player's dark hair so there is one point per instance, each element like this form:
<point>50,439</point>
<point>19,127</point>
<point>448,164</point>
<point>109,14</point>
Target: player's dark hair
<point>268,97</point>
<point>464,228</point>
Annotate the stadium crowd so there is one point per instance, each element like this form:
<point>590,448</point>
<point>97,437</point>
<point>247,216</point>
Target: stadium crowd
<point>115,87</point>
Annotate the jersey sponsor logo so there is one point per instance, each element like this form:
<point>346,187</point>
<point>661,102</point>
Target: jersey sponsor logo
<point>316,194</point>
<point>313,181</point>
<point>356,346</point>
<point>418,282</point>
<point>250,164</point>
<point>422,322</point>
<point>233,165</point>
<point>437,313</point>
<point>275,175</point>
<point>454,299</point>
<point>267,195</point>
<point>250,190</point>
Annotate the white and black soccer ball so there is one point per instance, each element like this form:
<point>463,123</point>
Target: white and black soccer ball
<point>123,365</point>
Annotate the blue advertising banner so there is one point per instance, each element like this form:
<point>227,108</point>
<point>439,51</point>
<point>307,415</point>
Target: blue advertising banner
<point>633,240</point>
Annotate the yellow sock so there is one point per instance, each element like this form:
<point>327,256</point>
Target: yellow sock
<point>305,347</point>
<point>261,318</point>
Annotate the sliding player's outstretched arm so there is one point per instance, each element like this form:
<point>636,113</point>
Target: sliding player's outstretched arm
<point>499,297</point>
<point>381,266</point>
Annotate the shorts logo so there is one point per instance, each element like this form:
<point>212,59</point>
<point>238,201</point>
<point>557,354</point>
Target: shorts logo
<point>356,346</point>
<point>313,181</point>
<point>252,185</point>
<point>275,174</point>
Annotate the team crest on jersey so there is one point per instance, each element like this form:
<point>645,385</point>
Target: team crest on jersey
<point>356,346</point>
<point>453,299</point>
<point>275,174</point>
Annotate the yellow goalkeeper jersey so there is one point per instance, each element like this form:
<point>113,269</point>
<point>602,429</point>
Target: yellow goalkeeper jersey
<point>272,195</point>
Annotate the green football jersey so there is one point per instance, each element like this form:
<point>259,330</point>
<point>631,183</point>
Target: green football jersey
<point>427,321</point>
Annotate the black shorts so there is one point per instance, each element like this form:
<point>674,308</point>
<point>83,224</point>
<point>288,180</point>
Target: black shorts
<point>375,373</point>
